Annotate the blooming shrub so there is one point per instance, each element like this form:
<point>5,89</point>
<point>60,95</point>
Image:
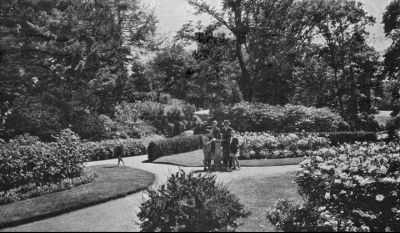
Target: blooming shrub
<point>190,203</point>
<point>347,188</point>
<point>27,161</point>
<point>268,146</point>
<point>259,117</point>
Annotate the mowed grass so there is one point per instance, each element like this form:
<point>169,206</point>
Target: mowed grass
<point>112,183</point>
<point>195,159</point>
<point>260,193</point>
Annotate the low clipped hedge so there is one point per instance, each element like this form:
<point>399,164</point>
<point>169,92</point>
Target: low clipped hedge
<point>171,146</point>
<point>337,138</point>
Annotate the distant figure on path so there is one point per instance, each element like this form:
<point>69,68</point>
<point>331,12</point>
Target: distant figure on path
<point>227,134</point>
<point>119,151</point>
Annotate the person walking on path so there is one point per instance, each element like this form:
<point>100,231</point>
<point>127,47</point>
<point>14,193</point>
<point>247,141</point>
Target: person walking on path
<point>227,134</point>
<point>119,150</point>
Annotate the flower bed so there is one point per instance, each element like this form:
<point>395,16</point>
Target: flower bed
<point>268,146</point>
<point>30,190</point>
<point>346,188</point>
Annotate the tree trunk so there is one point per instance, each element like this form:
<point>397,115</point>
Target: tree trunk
<point>245,80</point>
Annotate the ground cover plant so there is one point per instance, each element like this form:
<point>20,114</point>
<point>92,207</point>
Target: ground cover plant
<point>345,188</point>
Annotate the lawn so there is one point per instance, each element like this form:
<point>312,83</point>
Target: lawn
<point>195,159</point>
<point>112,183</point>
<point>260,193</point>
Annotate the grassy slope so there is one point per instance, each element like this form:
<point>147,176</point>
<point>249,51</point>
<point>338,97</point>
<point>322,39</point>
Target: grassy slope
<point>259,194</point>
<point>195,159</point>
<point>112,183</point>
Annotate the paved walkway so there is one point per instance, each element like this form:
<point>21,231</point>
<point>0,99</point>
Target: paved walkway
<point>121,215</point>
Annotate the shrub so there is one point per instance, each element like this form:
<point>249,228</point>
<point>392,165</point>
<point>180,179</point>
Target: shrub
<point>190,203</point>
<point>258,117</point>
<point>348,188</point>
<point>27,161</point>
<point>268,146</point>
<point>171,146</point>
<point>162,116</point>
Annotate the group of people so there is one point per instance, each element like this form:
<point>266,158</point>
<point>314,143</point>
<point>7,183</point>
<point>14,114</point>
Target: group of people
<point>229,143</point>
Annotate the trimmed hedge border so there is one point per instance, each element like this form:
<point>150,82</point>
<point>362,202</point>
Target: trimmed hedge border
<point>350,137</point>
<point>172,146</point>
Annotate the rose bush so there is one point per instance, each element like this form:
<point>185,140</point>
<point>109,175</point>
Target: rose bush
<point>346,188</point>
<point>268,146</point>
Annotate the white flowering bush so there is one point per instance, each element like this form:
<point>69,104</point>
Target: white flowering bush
<point>268,146</point>
<point>347,188</point>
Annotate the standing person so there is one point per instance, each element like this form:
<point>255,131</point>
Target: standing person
<point>119,151</point>
<point>206,144</point>
<point>215,134</point>
<point>235,153</point>
<point>227,134</point>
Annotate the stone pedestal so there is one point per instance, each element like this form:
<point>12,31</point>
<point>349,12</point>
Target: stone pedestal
<point>218,157</point>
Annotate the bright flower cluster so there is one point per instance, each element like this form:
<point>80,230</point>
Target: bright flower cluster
<point>268,146</point>
<point>351,188</point>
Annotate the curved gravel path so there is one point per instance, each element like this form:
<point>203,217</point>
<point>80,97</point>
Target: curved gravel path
<point>121,215</point>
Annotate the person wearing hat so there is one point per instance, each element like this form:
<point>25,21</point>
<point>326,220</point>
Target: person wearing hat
<point>227,134</point>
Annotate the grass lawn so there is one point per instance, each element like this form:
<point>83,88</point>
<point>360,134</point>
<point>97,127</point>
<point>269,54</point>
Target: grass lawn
<point>112,183</point>
<point>195,159</point>
<point>260,193</point>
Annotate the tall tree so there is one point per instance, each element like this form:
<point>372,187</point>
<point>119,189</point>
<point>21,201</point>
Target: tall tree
<point>75,51</point>
<point>261,29</point>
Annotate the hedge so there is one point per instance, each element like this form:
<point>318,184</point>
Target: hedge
<point>171,146</point>
<point>349,137</point>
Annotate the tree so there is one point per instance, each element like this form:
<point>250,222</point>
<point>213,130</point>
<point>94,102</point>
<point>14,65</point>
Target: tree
<point>76,51</point>
<point>391,21</point>
<point>261,30</point>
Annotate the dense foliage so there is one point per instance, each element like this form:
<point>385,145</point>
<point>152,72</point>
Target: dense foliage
<point>190,203</point>
<point>66,62</point>
<point>345,188</point>
<point>26,161</point>
<point>172,146</point>
<point>258,117</point>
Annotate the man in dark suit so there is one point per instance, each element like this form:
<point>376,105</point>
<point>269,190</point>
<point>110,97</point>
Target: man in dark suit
<point>227,134</point>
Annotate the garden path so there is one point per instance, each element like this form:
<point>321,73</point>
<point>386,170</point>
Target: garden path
<point>121,215</point>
